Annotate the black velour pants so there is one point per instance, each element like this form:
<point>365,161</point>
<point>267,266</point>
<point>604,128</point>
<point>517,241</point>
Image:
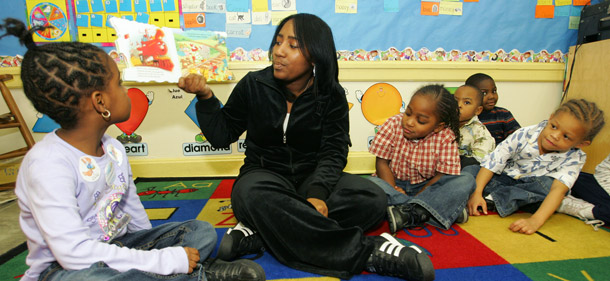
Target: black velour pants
<point>297,234</point>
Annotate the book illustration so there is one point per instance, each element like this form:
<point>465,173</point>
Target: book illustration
<point>163,54</point>
<point>203,52</point>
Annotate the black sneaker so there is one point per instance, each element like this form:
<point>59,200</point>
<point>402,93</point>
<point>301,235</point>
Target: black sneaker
<point>240,241</point>
<point>491,206</point>
<point>406,216</point>
<point>463,217</point>
<point>392,258</point>
<point>242,270</point>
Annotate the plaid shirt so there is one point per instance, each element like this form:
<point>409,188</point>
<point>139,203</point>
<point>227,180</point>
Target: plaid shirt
<point>416,160</point>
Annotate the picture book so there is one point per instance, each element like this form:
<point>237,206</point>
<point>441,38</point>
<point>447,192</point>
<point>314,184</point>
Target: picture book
<point>163,54</point>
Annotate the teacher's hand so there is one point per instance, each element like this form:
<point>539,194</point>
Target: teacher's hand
<point>195,84</point>
<point>319,205</point>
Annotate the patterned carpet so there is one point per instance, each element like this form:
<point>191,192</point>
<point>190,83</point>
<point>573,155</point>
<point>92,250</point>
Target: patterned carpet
<point>481,249</point>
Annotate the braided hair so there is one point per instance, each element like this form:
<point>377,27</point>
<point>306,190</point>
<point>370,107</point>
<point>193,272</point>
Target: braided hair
<point>447,107</point>
<point>56,76</point>
<point>588,113</point>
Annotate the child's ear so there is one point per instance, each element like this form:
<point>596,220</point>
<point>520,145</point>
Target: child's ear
<point>439,127</point>
<point>583,144</point>
<point>479,110</point>
<point>97,101</point>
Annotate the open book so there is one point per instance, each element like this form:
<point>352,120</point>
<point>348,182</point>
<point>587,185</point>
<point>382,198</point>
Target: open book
<point>162,54</point>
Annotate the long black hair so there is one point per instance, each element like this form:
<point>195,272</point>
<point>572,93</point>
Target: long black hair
<point>317,45</point>
<point>56,76</point>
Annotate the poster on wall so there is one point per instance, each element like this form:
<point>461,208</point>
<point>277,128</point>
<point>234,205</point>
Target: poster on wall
<point>53,16</point>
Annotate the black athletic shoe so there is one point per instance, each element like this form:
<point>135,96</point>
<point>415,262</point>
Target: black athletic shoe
<point>463,217</point>
<point>406,216</point>
<point>491,206</point>
<point>392,258</point>
<point>242,270</point>
<point>240,241</point>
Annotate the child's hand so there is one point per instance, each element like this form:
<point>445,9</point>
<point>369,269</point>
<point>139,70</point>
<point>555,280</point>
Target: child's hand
<point>193,257</point>
<point>195,84</point>
<point>400,190</point>
<point>526,226</point>
<point>474,203</point>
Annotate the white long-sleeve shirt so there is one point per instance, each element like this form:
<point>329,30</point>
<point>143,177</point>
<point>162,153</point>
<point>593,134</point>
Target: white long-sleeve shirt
<point>72,204</point>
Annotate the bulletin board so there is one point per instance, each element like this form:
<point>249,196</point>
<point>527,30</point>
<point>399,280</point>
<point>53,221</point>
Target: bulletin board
<point>522,26</point>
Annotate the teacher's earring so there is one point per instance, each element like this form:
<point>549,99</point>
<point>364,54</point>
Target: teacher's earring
<point>106,115</point>
<point>314,70</point>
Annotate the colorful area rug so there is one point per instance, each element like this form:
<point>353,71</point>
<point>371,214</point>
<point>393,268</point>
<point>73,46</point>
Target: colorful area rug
<point>481,249</point>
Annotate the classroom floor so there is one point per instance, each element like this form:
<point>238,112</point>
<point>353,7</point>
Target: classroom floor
<point>10,232</point>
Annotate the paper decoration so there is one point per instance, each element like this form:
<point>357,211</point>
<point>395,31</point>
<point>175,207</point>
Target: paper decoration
<point>261,18</point>
<point>51,14</point>
<point>574,22</point>
<point>346,6</point>
<point>239,30</point>
<point>193,6</point>
<point>192,20</point>
<point>562,11</point>
<point>450,8</point>
<point>545,2</point>
<point>238,17</point>
<point>581,2</point>
<point>283,5</point>
<point>429,8</point>
<point>237,6</point>
<point>390,6</point>
<point>546,12</point>
<point>563,2</point>
<point>215,6</point>
<point>259,6</point>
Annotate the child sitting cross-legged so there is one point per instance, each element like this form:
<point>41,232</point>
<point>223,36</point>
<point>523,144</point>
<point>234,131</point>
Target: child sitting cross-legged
<point>475,140</point>
<point>417,162</point>
<point>539,163</point>
<point>79,206</point>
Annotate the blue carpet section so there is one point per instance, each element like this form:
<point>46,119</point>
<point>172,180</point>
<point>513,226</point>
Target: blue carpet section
<point>483,273</point>
<point>185,209</point>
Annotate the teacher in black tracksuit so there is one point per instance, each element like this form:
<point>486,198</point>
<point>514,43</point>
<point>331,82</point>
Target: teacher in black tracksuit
<point>292,196</point>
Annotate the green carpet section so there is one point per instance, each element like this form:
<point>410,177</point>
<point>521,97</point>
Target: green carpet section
<point>577,269</point>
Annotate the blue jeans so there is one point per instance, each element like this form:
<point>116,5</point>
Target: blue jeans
<point>444,199</point>
<point>195,234</point>
<point>510,194</point>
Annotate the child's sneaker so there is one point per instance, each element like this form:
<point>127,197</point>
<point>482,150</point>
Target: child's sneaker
<point>406,216</point>
<point>239,241</point>
<point>463,217</point>
<point>243,270</point>
<point>392,258</point>
<point>576,207</point>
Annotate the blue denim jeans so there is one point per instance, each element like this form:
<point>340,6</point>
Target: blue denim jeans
<point>445,199</point>
<point>195,234</point>
<point>510,194</point>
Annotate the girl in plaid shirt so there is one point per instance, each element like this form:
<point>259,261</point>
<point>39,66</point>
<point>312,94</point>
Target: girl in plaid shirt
<point>418,165</point>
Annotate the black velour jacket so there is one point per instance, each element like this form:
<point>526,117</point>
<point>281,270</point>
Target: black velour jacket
<point>316,142</point>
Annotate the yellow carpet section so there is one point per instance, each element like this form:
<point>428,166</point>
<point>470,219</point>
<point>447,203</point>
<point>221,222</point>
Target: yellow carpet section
<point>573,239</point>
